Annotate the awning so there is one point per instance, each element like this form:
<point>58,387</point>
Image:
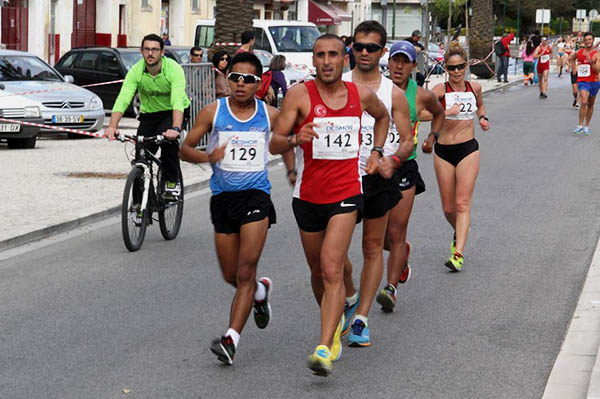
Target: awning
<point>326,14</point>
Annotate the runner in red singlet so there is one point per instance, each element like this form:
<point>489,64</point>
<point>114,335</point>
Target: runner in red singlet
<point>326,117</point>
<point>544,53</point>
<point>586,62</point>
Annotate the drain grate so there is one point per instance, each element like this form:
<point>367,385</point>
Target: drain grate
<point>97,175</point>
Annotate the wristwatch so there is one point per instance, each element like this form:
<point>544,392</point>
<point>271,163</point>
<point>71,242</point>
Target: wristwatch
<point>378,150</point>
<point>484,117</point>
<point>176,128</point>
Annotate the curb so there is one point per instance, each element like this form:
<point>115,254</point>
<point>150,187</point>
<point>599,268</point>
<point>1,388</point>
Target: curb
<point>94,217</point>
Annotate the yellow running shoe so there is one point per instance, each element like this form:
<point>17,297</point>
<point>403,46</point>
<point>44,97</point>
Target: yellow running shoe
<point>455,262</point>
<point>320,361</point>
<point>336,347</point>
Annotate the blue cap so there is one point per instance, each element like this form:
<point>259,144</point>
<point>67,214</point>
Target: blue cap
<point>406,48</point>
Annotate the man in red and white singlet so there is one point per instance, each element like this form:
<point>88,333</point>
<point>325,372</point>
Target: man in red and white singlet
<point>586,61</point>
<point>543,53</point>
<point>325,115</point>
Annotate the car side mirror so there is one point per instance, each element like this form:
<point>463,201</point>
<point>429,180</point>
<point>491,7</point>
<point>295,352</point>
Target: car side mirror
<point>69,79</point>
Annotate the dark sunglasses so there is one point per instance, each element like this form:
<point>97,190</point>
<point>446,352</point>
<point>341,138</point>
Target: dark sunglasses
<point>224,59</point>
<point>197,55</point>
<point>460,67</point>
<point>371,47</point>
<point>247,77</point>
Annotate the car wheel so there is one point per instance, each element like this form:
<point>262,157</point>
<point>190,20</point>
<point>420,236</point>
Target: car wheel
<point>22,143</point>
<point>135,105</point>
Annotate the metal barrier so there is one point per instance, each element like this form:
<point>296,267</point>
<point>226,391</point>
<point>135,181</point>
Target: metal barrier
<point>200,88</point>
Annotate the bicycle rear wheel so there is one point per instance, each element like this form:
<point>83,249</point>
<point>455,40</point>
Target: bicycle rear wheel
<point>134,220</point>
<point>170,212</point>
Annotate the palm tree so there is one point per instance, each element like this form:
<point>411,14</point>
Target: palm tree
<point>481,35</point>
<point>232,18</point>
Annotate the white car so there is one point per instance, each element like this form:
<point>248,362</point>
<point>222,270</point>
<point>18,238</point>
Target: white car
<point>17,109</point>
<point>61,103</point>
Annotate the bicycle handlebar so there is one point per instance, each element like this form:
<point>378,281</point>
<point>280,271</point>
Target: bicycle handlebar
<point>159,138</point>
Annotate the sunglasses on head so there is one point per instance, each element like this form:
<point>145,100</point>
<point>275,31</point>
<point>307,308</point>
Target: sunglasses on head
<point>247,77</point>
<point>460,67</point>
<point>371,47</point>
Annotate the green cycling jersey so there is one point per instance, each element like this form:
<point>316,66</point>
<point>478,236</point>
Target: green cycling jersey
<point>163,92</point>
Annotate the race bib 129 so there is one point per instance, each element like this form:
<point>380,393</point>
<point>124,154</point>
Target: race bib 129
<point>245,151</point>
<point>338,138</point>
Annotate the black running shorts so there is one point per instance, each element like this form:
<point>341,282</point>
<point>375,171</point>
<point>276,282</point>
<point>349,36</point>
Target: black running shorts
<point>230,210</point>
<point>408,176</point>
<point>312,218</point>
<point>379,195</point>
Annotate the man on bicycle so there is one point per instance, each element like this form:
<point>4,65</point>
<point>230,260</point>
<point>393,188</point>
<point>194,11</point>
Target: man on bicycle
<point>160,82</point>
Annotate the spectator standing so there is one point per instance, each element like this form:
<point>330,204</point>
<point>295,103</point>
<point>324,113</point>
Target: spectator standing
<point>220,62</point>
<point>278,81</point>
<point>414,40</point>
<point>165,37</point>
<point>247,42</point>
<point>504,58</point>
<point>348,42</point>
<point>196,54</point>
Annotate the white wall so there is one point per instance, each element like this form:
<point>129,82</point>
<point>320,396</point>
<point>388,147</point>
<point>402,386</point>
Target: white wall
<point>39,19</point>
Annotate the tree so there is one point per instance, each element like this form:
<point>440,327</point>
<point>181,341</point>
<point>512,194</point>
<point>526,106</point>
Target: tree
<point>232,18</point>
<point>480,35</point>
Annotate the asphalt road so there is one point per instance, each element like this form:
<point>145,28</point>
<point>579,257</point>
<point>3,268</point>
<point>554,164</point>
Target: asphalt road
<point>83,318</point>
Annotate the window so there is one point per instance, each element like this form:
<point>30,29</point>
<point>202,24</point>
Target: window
<point>67,61</point>
<point>87,60</point>
<point>204,35</point>
<point>195,6</point>
<point>294,38</point>
<point>146,5</point>
<point>261,41</point>
<point>107,62</point>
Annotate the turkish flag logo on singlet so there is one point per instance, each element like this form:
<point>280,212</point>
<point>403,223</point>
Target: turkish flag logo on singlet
<point>320,110</point>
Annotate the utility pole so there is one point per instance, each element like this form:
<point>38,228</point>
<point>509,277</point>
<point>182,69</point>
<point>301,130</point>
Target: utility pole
<point>449,22</point>
<point>394,22</point>
<point>519,22</point>
<point>504,17</point>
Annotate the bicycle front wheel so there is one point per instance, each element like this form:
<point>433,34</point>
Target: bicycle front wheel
<point>134,220</point>
<point>170,213</point>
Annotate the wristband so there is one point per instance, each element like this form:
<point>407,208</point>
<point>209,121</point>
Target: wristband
<point>290,144</point>
<point>378,150</point>
<point>289,172</point>
<point>176,128</point>
<point>396,160</point>
<point>484,117</point>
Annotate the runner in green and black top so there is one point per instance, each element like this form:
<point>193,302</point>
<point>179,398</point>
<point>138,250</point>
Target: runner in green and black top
<point>423,105</point>
<point>160,82</point>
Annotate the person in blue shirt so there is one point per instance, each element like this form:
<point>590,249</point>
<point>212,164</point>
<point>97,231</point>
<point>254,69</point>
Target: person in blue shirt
<point>241,209</point>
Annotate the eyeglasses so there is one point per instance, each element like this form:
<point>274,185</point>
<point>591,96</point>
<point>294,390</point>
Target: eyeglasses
<point>197,55</point>
<point>247,77</point>
<point>371,47</point>
<point>224,59</point>
<point>460,67</point>
<point>151,50</point>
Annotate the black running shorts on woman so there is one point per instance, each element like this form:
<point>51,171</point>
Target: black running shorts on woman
<point>454,153</point>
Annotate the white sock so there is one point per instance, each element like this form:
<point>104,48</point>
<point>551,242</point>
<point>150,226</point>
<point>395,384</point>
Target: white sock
<point>363,319</point>
<point>261,292</point>
<point>351,300</point>
<point>579,127</point>
<point>235,336</point>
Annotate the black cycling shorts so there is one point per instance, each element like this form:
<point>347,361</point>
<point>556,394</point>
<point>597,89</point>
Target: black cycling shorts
<point>230,210</point>
<point>312,218</point>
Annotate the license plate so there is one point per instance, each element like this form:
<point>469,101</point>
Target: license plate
<point>67,118</point>
<point>10,127</point>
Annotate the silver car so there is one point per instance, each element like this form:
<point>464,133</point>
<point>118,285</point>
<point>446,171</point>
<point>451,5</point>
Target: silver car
<point>62,103</point>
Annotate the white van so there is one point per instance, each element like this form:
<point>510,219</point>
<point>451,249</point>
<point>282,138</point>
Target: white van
<point>292,39</point>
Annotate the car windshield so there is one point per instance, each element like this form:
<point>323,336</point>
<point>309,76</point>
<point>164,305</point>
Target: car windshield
<point>294,39</point>
<point>20,67</point>
<point>129,59</point>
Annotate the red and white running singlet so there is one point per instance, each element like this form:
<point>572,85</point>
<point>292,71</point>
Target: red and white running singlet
<point>585,73</point>
<point>328,169</point>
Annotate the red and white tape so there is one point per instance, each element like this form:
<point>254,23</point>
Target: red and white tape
<point>227,44</point>
<point>62,88</point>
<point>62,129</point>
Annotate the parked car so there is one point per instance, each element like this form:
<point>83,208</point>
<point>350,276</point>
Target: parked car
<point>20,109</point>
<point>62,104</point>
<point>292,75</point>
<point>90,65</point>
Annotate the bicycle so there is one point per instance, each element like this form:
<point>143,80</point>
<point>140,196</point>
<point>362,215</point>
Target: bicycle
<point>144,194</point>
